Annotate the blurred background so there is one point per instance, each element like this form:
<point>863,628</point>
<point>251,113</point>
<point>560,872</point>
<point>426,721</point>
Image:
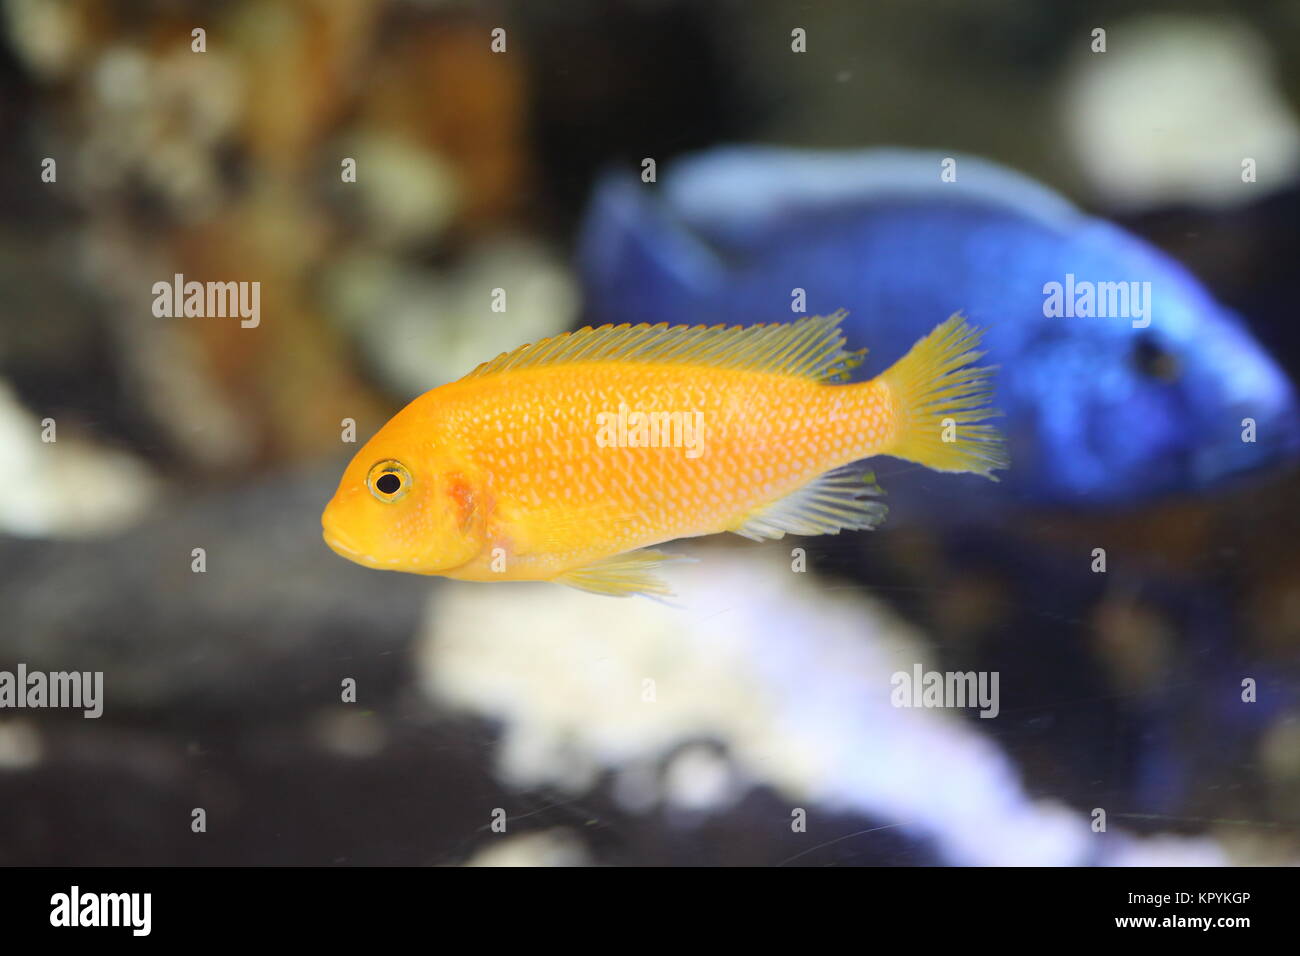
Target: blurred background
<point>625,731</point>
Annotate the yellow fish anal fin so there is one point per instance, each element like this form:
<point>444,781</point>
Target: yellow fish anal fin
<point>622,574</point>
<point>810,347</point>
<point>839,499</point>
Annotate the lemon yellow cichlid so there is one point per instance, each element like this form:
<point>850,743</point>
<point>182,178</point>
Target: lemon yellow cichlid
<point>569,459</point>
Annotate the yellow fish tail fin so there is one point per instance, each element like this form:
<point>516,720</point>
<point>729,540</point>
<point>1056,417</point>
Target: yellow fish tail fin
<point>941,400</point>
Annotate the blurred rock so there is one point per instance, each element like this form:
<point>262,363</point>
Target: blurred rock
<point>547,848</point>
<point>419,328</point>
<point>403,195</point>
<point>69,487</point>
<point>792,681</point>
<point>276,621</point>
<point>1173,106</point>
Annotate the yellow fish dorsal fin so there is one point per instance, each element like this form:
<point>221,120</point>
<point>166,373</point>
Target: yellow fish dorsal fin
<point>810,347</point>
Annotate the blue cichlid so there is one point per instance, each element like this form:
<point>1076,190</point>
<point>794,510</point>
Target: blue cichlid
<point>1113,394</point>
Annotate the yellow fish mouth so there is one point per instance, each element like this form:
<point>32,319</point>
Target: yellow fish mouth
<point>369,560</point>
<point>338,547</point>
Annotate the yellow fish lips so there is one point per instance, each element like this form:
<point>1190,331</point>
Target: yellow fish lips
<point>338,546</point>
<point>346,547</point>
<point>337,540</point>
<point>335,524</point>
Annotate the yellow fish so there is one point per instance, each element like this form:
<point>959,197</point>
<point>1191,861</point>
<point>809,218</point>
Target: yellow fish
<point>565,460</point>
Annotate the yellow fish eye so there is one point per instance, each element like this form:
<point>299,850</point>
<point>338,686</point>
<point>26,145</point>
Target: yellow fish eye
<point>388,480</point>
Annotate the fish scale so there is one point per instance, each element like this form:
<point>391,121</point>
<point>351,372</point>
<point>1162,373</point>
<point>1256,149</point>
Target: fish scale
<point>744,414</point>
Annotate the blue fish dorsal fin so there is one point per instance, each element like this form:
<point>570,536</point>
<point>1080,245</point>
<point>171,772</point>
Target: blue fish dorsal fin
<point>747,188</point>
<point>629,231</point>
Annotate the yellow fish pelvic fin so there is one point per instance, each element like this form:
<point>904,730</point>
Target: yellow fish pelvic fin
<point>941,399</point>
<point>843,498</point>
<point>623,574</point>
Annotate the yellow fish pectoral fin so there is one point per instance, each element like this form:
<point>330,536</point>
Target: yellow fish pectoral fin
<point>622,574</point>
<point>839,499</point>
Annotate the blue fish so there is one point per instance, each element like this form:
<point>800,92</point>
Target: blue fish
<point>1121,378</point>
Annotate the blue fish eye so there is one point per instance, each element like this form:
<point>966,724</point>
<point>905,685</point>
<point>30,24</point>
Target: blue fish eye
<point>1155,361</point>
